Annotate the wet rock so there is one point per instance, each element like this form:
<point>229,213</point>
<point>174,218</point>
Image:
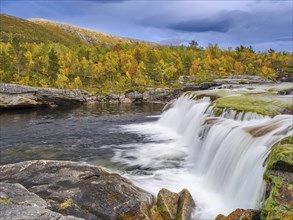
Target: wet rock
<point>154,213</point>
<point>94,193</point>
<point>186,205</point>
<point>18,96</point>
<point>167,203</point>
<point>241,214</point>
<point>201,86</point>
<point>244,79</point>
<point>279,178</point>
<point>212,96</point>
<point>11,211</point>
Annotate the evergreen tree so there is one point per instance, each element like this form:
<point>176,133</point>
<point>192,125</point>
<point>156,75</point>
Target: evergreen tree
<point>53,63</point>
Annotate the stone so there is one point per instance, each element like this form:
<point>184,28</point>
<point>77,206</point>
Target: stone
<point>126,101</point>
<point>167,202</point>
<point>241,214</point>
<point>11,211</point>
<point>201,86</point>
<point>93,191</point>
<point>18,96</point>
<point>135,96</point>
<point>186,205</point>
<point>17,194</point>
<point>154,213</point>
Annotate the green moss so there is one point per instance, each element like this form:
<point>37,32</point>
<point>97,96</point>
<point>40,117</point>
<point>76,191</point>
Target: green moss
<point>264,104</point>
<point>218,111</point>
<point>6,201</point>
<point>277,205</point>
<point>281,157</point>
<point>65,205</point>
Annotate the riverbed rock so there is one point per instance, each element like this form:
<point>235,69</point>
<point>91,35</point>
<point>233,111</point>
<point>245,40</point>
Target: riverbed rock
<point>16,202</point>
<point>278,202</point>
<point>185,206</point>
<point>11,211</point>
<point>241,214</point>
<point>201,86</point>
<point>135,96</point>
<point>15,193</point>
<point>167,203</point>
<point>81,190</point>
<point>18,96</point>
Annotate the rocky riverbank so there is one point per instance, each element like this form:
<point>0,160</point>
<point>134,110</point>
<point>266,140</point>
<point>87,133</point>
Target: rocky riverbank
<point>14,96</point>
<point>68,190</point>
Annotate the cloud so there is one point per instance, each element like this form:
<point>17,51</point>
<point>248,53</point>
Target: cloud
<point>229,23</point>
<point>204,25</point>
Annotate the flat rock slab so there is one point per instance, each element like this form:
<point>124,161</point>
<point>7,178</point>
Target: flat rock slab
<point>19,96</point>
<point>93,193</point>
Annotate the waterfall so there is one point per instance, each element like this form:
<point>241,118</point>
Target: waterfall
<point>221,158</point>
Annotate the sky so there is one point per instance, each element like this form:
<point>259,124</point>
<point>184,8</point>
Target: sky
<point>262,24</point>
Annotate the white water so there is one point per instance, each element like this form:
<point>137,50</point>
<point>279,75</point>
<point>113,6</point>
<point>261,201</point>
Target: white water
<point>216,158</point>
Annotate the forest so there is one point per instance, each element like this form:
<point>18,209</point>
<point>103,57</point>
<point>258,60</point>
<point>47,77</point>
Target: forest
<point>70,62</point>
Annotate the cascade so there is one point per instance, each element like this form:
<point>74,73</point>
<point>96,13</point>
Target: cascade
<point>221,157</point>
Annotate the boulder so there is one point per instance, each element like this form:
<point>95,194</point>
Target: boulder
<point>186,205</point>
<point>18,96</point>
<point>15,193</point>
<point>167,203</point>
<point>241,214</point>
<point>11,211</point>
<point>81,190</point>
<point>154,213</point>
<point>16,202</point>
<point>278,199</point>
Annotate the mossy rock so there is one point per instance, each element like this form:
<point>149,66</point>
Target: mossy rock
<point>185,205</point>
<point>281,156</point>
<point>279,180</point>
<point>167,204</point>
<point>264,104</point>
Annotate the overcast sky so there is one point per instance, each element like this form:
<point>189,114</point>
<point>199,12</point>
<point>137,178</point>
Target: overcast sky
<point>263,24</point>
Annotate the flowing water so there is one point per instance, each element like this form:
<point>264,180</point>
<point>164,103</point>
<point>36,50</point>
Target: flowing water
<point>219,159</point>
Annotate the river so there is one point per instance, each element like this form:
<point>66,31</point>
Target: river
<point>216,158</point>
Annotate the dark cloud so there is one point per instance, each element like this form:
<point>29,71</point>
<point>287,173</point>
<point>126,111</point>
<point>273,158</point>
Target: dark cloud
<point>221,22</point>
<point>205,25</point>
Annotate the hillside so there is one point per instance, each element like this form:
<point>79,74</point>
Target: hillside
<point>42,30</point>
<point>29,32</point>
<point>89,36</point>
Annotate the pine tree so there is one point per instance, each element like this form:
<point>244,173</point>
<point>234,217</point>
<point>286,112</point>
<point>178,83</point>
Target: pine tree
<point>53,67</point>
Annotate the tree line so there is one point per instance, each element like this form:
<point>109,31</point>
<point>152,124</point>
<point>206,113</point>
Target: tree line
<point>102,68</point>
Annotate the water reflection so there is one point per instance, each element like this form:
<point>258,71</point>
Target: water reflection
<point>69,133</point>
